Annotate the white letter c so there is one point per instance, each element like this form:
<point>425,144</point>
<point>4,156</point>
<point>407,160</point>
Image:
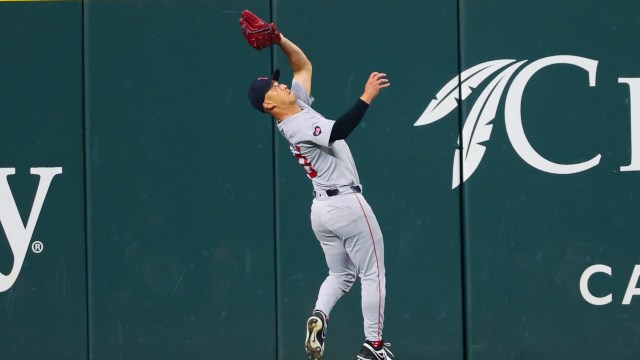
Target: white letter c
<point>513,117</point>
<point>584,285</point>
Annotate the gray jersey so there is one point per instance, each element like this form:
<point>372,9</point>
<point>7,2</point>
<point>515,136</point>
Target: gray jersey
<point>328,165</point>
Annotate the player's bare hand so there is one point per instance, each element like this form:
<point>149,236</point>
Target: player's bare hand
<point>376,82</point>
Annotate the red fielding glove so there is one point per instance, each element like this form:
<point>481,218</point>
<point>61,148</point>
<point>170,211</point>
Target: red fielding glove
<point>258,33</point>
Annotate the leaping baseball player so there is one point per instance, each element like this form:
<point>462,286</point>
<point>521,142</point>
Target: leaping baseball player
<point>341,218</point>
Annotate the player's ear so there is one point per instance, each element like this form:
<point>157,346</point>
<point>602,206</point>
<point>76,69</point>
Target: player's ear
<point>268,105</point>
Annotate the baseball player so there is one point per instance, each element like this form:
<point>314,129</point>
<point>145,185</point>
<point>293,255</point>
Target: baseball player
<point>341,218</point>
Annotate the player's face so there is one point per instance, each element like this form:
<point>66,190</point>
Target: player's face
<point>279,94</point>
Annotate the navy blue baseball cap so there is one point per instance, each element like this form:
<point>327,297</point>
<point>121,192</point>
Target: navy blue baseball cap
<point>259,88</point>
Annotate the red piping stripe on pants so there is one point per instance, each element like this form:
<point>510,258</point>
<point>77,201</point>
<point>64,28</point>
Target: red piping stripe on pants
<point>375,252</point>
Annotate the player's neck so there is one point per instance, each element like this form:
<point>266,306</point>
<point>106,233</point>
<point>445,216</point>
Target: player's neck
<point>282,114</point>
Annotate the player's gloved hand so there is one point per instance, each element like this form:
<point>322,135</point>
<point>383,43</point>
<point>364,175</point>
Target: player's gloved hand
<point>258,33</point>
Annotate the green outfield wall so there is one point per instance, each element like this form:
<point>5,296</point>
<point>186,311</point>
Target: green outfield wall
<point>148,212</point>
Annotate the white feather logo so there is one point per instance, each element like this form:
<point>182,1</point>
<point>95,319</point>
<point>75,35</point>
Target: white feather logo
<point>477,127</point>
<point>459,88</point>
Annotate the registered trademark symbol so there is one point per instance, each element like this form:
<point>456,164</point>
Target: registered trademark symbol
<point>37,247</point>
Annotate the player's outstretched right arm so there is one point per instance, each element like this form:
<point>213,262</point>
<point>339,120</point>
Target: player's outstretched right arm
<point>300,65</point>
<point>346,123</point>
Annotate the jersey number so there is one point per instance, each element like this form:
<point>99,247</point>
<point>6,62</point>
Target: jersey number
<point>304,162</point>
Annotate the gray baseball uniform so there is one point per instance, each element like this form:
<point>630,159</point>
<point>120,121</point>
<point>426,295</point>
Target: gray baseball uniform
<point>341,218</point>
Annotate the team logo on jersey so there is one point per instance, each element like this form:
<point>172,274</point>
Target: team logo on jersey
<point>317,131</point>
<point>477,126</point>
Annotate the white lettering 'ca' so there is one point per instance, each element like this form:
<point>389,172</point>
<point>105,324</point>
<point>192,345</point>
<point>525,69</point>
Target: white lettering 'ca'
<point>631,291</point>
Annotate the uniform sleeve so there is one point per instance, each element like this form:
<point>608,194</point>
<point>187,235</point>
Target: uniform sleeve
<point>317,131</point>
<point>301,94</point>
<point>348,121</point>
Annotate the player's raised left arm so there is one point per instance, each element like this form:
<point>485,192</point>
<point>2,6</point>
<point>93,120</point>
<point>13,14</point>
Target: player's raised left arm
<point>300,65</point>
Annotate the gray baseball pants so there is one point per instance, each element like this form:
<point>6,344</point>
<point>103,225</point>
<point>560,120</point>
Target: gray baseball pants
<point>352,243</point>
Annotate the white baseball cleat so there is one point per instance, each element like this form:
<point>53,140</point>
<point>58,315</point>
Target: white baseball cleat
<point>316,331</point>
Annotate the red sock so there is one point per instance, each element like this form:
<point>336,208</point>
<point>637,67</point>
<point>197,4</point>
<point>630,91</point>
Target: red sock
<point>377,344</point>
